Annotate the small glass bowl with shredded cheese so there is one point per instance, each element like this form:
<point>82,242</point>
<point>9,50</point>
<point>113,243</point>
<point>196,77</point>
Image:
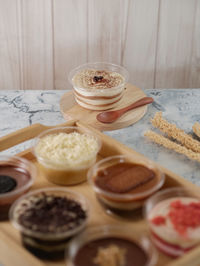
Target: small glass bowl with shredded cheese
<point>65,154</point>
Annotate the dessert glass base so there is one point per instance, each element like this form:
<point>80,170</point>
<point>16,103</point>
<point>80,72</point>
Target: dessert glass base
<point>173,216</point>
<point>133,214</point>
<point>64,177</point>
<point>98,86</point>
<point>48,250</point>
<point>48,218</point>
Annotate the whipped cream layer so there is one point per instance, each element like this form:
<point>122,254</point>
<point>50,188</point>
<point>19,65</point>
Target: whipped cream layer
<point>98,103</point>
<point>121,205</point>
<point>166,231</point>
<point>98,89</point>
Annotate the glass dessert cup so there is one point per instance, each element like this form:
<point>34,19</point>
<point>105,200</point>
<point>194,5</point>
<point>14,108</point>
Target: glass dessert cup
<point>115,242</point>
<point>65,170</point>
<point>51,224</point>
<point>173,217</point>
<point>16,178</point>
<point>98,86</point>
<point>122,183</point>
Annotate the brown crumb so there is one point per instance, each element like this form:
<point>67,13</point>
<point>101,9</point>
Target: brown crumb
<point>196,129</point>
<point>175,133</point>
<point>111,255</point>
<point>159,139</point>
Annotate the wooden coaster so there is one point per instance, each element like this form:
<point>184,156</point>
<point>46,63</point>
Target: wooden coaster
<point>71,110</point>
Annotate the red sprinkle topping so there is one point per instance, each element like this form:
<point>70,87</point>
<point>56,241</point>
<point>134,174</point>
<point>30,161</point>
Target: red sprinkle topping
<point>158,220</point>
<point>184,216</point>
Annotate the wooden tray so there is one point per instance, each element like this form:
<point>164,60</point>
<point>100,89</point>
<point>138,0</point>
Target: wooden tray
<point>11,250</point>
<point>71,110</point>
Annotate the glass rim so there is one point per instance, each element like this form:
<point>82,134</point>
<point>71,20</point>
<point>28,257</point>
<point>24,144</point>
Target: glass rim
<point>110,230</point>
<point>83,66</point>
<point>32,173</point>
<point>167,191</point>
<point>50,236</point>
<point>125,196</point>
<point>61,167</point>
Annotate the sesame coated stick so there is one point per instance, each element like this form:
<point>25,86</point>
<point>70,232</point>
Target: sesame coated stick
<point>196,129</point>
<point>175,133</point>
<point>159,139</point>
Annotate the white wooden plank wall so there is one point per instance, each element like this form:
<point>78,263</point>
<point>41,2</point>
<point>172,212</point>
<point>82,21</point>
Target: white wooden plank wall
<point>158,41</point>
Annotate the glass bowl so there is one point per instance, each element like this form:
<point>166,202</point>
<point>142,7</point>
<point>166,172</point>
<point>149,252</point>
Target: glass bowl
<point>66,161</point>
<point>98,86</point>
<point>45,234</point>
<point>21,173</point>
<point>119,172</point>
<point>83,249</point>
<point>173,217</point>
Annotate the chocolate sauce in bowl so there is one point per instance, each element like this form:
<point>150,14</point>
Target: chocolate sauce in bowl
<point>11,178</point>
<point>7,184</point>
<point>132,252</point>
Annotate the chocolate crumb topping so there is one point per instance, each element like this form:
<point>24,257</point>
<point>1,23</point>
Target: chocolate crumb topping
<point>97,78</point>
<point>7,184</point>
<point>49,214</point>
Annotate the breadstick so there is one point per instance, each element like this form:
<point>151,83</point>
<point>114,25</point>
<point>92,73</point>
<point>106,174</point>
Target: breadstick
<point>196,129</point>
<point>174,132</point>
<point>159,139</point>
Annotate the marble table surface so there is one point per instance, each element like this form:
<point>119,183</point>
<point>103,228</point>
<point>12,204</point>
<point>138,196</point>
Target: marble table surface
<point>19,109</point>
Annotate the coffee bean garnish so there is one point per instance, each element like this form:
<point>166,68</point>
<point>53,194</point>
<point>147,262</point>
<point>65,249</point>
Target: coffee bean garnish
<point>97,78</point>
<point>7,184</point>
<point>49,214</point>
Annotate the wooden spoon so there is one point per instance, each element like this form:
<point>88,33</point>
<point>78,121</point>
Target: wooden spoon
<point>111,116</point>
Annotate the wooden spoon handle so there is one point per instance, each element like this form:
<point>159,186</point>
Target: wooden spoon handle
<point>141,102</point>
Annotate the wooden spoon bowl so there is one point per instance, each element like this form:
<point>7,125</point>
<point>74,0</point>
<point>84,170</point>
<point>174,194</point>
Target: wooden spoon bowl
<point>112,116</point>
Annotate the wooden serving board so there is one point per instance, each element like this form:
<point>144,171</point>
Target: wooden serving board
<point>71,110</point>
<point>11,249</point>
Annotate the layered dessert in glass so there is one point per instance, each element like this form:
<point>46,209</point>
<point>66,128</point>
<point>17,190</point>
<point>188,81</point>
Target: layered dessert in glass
<point>16,177</point>
<point>173,217</point>
<point>111,245</point>
<point>48,218</point>
<point>122,183</point>
<point>98,86</point>
<point>65,154</point>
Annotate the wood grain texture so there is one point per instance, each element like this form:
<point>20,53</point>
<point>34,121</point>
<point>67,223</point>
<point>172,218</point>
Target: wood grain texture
<point>139,51</point>
<point>175,43</point>
<point>194,75</point>
<point>9,45</point>
<point>158,41</point>
<point>98,216</point>
<point>70,38</point>
<point>36,45</point>
<point>19,255</point>
<point>107,22</point>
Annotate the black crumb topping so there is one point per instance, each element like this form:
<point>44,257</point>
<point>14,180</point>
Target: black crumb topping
<point>97,78</point>
<point>49,214</point>
<point>7,184</point>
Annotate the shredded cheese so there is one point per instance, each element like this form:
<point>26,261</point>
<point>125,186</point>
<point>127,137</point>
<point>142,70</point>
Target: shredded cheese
<point>67,149</point>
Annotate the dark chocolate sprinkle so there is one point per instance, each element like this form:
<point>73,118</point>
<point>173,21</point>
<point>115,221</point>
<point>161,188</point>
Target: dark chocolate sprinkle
<point>97,78</point>
<point>7,184</point>
<point>49,214</point>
